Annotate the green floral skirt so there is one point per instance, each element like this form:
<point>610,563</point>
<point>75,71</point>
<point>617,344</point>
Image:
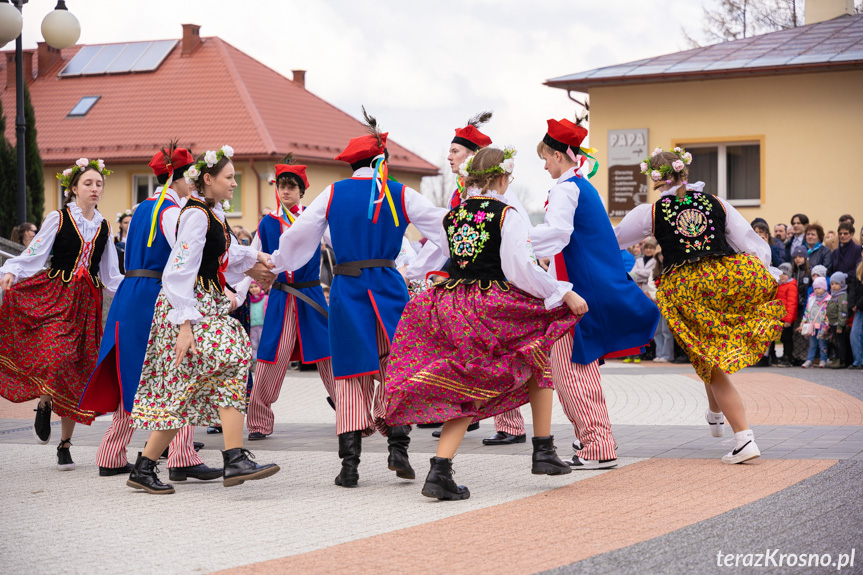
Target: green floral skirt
<point>171,397</point>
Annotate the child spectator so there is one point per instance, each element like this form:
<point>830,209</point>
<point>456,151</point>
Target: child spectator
<point>787,293</point>
<point>815,323</point>
<point>837,319</point>
<point>817,271</point>
<point>801,274</point>
<point>257,307</point>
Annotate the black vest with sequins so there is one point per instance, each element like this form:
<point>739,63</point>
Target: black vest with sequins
<point>70,247</point>
<point>215,246</point>
<point>689,229</point>
<point>474,234</point>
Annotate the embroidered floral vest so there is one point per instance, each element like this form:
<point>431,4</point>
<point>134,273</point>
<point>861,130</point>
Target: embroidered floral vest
<point>215,247</point>
<point>72,252</point>
<point>474,234</point>
<point>689,229</point>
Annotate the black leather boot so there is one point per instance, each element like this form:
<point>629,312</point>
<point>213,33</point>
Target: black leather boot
<point>350,446</point>
<point>144,477</point>
<point>239,468</point>
<point>439,482</point>
<point>398,441</point>
<point>545,459</point>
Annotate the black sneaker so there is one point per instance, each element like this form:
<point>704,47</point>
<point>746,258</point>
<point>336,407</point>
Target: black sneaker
<point>42,424</point>
<point>64,458</point>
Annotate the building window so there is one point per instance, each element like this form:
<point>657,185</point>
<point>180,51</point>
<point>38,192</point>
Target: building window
<point>730,170</point>
<point>143,186</point>
<point>236,209</point>
<point>83,106</point>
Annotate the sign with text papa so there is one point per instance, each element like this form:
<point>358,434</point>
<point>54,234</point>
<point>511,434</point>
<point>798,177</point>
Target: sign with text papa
<point>627,187</point>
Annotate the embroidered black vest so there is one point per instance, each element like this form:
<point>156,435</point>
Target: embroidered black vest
<point>215,246</point>
<point>70,248</point>
<point>474,234</point>
<point>689,229</point>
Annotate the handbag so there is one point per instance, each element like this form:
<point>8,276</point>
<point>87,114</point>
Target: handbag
<point>806,329</point>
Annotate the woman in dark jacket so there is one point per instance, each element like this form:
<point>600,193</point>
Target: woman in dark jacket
<point>817,252</point>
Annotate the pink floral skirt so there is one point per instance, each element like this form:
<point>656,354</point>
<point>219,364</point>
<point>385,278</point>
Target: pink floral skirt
<point>468,351</point>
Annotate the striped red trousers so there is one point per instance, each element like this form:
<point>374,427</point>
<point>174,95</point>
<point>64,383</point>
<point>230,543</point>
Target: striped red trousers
<point>270,376</point>
<point>112,449</point>
<point>579,389</point>
<point>359,405</point>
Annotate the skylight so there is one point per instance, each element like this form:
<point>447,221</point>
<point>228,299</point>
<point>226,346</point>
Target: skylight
<point>83,106</point>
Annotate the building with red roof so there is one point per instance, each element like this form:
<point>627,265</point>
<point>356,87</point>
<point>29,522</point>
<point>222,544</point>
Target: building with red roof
<point>122,102</point>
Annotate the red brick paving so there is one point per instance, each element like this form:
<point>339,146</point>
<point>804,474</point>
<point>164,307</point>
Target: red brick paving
<point>607,512</point>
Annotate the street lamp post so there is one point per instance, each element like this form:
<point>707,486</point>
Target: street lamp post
<point>61,30</point>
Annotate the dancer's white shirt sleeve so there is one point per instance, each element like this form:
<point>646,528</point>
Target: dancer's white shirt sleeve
<point>427,217</point>
<point>169,224</point>
<point>180,275</point>
<point>519,266</point>
<point>550,237</point>
<point>33,259</point>
<point>741,237</point>
<point>240,260</point>
<point>109,268</point>
<point>635,226</point>
<point>298,243</point>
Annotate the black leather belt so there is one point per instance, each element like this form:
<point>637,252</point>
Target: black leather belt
<point>355,269</point>
<point>294,288</point>
<point>143,274</point>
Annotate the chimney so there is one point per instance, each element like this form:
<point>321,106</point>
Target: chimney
<point>299,78</point>
<point>47,57</point>
<point>10,67</point>
<point>821,10</point>
<point>191,38</point>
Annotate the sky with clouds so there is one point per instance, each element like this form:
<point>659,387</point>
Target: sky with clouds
<point>423,68</point>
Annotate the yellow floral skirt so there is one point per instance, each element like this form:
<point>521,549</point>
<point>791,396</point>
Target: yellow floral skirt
<point>723,311</point>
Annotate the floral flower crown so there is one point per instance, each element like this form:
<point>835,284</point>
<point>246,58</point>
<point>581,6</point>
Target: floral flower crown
<point>121,215</point>
<point>211,158</point>
<point>66,175</point>
<point>505,167</point>
<point>664,172</point>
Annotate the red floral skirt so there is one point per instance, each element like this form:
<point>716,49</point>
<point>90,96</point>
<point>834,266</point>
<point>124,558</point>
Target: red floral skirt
<point>468,351</point>
<point>50,342</point>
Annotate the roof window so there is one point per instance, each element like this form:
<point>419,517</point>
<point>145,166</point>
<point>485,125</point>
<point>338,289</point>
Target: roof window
<point>83,106</point>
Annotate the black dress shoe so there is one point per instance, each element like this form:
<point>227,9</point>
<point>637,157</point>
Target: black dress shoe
<point>398,441</point>
<point>504,438</point>
<point>331,402</point>
<point>545,459</point>
<point>197,445</point>
<point>472,427</point>
<point>109,471</point>
<point>256,435</point>
<point>240,468</point>
<point>143,476</point>
<point>350,447</point>
<point>200,471</point>
<point>429,425</point>
<point>42,423</point>
<point>439,482</point>
<point>214,429</point>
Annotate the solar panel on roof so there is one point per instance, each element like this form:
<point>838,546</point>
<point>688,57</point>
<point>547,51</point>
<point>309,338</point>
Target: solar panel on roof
<point>100,62</point>
<point>81,59</point>
<point>154,56</point>
<point>119,58</point>
<point>128,57</point>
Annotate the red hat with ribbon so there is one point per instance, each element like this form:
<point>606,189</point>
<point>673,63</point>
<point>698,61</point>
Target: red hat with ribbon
<point>470,137</point>
<point>173,160</point>
<point>566,137</point>
<point>297,170</point>
<point>363,148</point>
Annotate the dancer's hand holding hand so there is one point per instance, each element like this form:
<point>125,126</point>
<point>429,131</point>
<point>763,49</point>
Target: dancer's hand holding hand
<point>185,342</point>
<point>264,258</point>
<point>262,275</point>
<point>544,263</point>
<point>7,281</point>
<point>575,302</point>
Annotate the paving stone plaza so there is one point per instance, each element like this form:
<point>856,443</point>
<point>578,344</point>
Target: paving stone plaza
<point>669,507</point>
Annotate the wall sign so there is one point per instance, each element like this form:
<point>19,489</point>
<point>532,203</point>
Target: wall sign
<point>627,187</point>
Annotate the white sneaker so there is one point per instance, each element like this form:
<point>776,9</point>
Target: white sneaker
<point>806,364</point>
<point>660,360</point>
<point>823,364</point>
<point>716,423</point>
<point>578,463</point>
<point>743,453</point>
